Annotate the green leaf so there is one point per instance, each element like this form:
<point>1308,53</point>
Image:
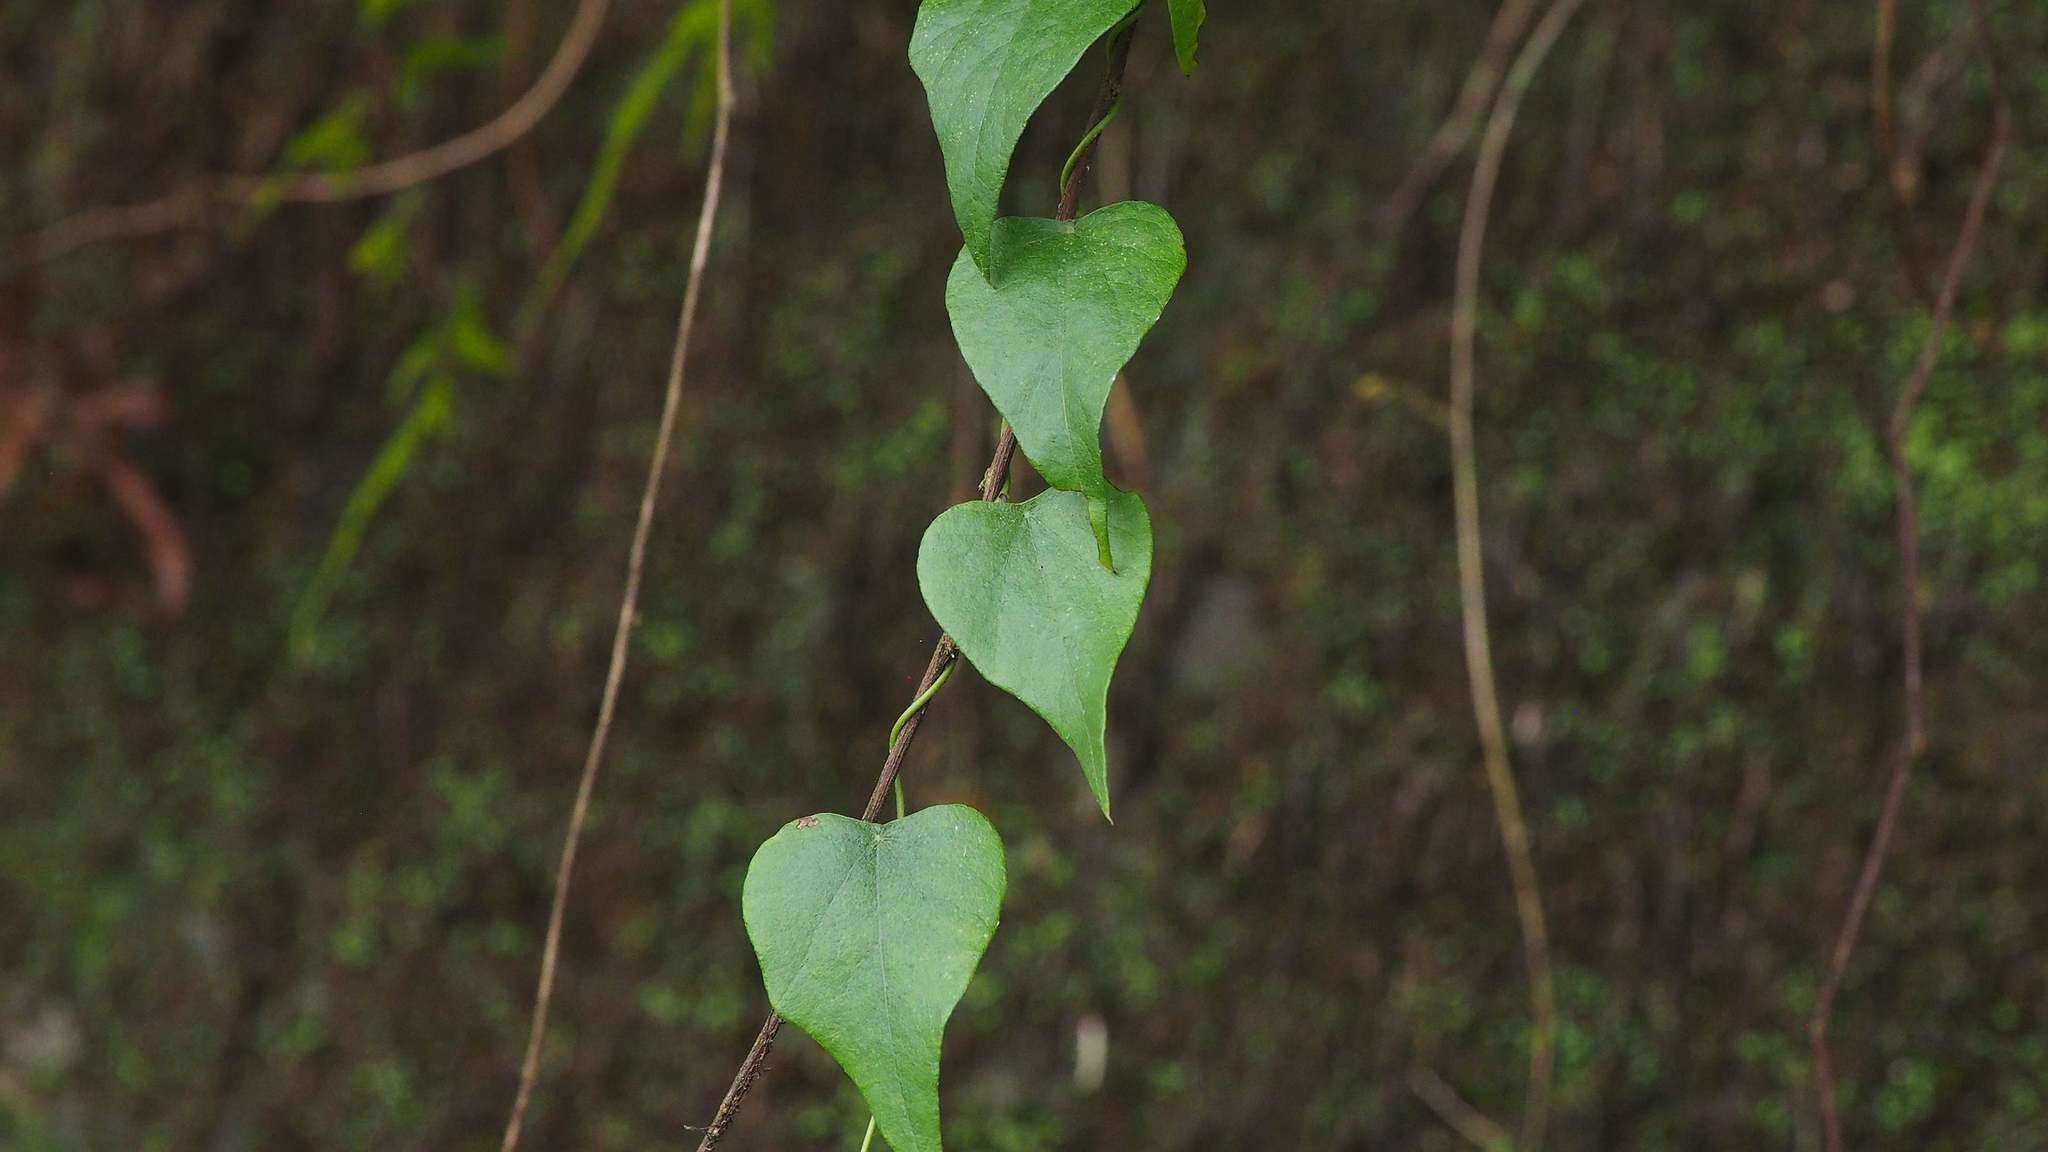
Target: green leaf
<point>1187,30</point>
<point>471,341</point>
<point>1018,586</point>
<point>867,935</point>
<point>692,26</point>
<point>375,13</point>
<point>337,142</point>
<point>379,253</point>
<point>428,58</point>
<point>987,65</point>
<point>1047,340</point>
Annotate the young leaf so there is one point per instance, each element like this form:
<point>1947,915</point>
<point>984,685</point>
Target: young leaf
<point>867,935</point>
<point>1187,30</point>
<point>1047,341</point>
<point>987,65</point>
<point>1018,586</point>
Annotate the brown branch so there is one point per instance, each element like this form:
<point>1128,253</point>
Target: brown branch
<point>1455,132</point>
<point>1374,388</point>
<point>163,539</point>
<point>193,205</point>
<point>1500,777</point>
<point>522,160</point>
<point>1911,262</point>
<point>1914,744</point>
<point>95,419</point>
<point>1478,1129</point>
<point>25,418</point>
<point>993,483</point>
<point>89,425</point>
<point>1881,76</point>
<point>629,602</point>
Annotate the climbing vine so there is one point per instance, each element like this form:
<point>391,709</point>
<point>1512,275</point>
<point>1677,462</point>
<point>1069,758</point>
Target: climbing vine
<point>868,933</point>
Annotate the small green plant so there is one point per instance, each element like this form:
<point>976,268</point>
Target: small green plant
<point>868,932</point>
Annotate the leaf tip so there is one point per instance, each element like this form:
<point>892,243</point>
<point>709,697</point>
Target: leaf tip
<point>1187,17</point>
<point>980,239</point>
<point>1098,783</point>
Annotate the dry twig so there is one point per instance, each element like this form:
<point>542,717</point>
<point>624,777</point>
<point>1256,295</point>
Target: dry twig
<point>1500,778</point>
<point>196,203</point>
<point>87,425</point>
<point>1455,132</point>
<point>1911,263</point>
<point>1478,1129</point>
<point>700,255</point>
<point>1914,743</point>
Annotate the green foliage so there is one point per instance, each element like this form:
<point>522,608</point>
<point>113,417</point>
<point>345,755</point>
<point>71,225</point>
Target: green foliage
<point>471,343</point>
<point>379,253</point>
<point>867,936</point>
<point>987,65</point>
<point>377,13</point>
<point>1018,586</point>
<point>1047,340</point>
<point>394,460</point>
<point>1040,596</point>
<point>464,338</point>
<point>337,142</point>
<point>693,27</point>
<point>426,375</point>
<point>1684,418</point>
<point>1188,16</point>
<point>428,58</point>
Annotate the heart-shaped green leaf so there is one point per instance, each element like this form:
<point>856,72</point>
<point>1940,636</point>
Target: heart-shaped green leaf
<point>1187,29</point>
<point>867,935</point>
<point>987,65</point>
<point>1019,588</point>
<point>1047,340</point>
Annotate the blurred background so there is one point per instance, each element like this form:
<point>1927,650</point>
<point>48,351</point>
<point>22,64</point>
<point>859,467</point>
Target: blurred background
<point>313,522</point>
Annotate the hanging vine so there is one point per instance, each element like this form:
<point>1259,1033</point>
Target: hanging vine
<point>867,932</point>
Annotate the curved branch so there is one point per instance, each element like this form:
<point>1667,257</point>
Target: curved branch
<point>1500,777</point>
<point>1914,743</point>
<point>629,602</point>
<point>1478,1129</point>
<point>192,206</point>
<point>1455,132</point>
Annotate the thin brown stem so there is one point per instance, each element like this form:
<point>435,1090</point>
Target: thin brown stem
<point>1478,1129</point>
<point>195,204</point>
<point>1105,100</point>
<point>1911,263</point>
<point>522,160</point>
<point>629,602</point>
<point>1913,745</point>
<point>1881,74</point>
<point>1500,777</point>
<point>993,483</point>
<point>1374,388</point>
<point>1455,132</point>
